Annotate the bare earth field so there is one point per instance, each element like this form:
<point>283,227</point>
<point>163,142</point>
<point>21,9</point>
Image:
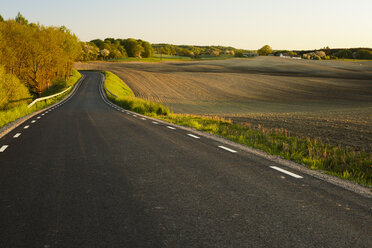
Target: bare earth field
<point>331,100</point>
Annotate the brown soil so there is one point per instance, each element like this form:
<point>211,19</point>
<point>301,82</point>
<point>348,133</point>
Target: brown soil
<point>327,99</point>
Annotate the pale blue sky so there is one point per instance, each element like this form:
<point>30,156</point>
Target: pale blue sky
<point>248,24</point>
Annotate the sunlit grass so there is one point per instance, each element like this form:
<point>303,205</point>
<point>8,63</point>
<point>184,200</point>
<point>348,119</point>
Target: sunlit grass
<point>125,98</point>
<point>10,115</point>
<point>342,162</point>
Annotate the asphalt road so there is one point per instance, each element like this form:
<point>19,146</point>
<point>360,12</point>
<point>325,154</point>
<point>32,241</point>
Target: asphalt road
<point>86,174</point>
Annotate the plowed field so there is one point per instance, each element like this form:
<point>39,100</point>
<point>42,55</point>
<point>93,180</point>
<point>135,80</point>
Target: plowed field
<point>327,99</point>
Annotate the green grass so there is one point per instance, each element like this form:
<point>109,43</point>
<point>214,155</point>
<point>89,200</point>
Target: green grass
<point>10,115</point>
<point>342,162</point>
<point>126,99</point>
<point>337,161</point>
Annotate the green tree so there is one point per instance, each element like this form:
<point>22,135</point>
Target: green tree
<point>132,47</point>
<point>363,54</point>
<point>344,54</point>
<point>1,18</point>
<point>147,50</point>
<point>265,50</point>
<point>21,19</point>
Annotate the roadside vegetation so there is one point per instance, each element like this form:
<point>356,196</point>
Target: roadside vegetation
<point>21,109</point>
<point>119,93</point>
<point>342,162</point>
<point>35,61</point>
<point>313,153</point>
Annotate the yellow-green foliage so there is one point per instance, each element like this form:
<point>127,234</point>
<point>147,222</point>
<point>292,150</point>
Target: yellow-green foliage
<point>12,91</point>
<point>20,110</point>
<point>342,162</point>
<point>125,98</point>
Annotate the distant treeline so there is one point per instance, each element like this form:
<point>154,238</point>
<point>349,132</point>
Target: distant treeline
<point>197,51</point>
<point>329,53</point>
<point>111,48</point>
<point>33,57</point>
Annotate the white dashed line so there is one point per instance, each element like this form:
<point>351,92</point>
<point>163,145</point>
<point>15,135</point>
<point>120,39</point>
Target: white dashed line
<point>227,149</point>
<point>33,121</point>
<point>128,113</point>
<point>171,127</point>
<point>194,136</point>
<point>2,149</point>
<point>17,135</point>
<point>134,115</point>
<point>155,122</point>
<point>143,118</point>
<point>38,117</point>
<point>26,127</point>
<point>43,114</point>
<point>285,172</point>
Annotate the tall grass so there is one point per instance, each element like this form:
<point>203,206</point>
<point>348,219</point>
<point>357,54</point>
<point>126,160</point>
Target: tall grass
<point>125,98</point>
<point>342,162</point>
<point>7,116</point>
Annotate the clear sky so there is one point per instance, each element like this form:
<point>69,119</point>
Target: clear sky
<point>247,24</point>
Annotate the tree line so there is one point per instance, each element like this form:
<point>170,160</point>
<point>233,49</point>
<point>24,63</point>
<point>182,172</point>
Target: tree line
<point>111,48</point>
<point>34,56</point>
<point>325,53</point>
<point>198,51</point>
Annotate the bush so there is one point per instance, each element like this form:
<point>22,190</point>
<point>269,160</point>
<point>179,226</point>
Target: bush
<point>12,91</point>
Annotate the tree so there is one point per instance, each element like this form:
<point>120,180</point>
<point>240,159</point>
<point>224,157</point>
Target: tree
<point>344,54</point>
<point>147,50</point>
<point>1,19</point>
<point>21,19</point>
<point>132,47</point>
<point>363,54</point>
<point>104,53</point>
<point>265,50</point>
<point>36,54</point>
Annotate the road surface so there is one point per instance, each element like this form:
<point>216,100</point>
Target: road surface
<point>86,174</point>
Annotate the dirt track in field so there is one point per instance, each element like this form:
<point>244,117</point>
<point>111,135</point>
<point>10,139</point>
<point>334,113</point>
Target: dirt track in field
<point>327,99</point>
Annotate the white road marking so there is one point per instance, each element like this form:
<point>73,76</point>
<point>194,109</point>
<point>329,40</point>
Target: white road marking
<point>38,117</point>
<point>33,121</point>
<point>285,172</point>
<point>43,114</point>
<point>26,127</point>
<point>227,149</point>
<point>155,122</point>
<point>135,115</point>
<point>17,135</point>
<point>171,127</point>
<point>128,113</point>
<point>194,136</point>
<point>143,118</point>
<point>2,149</point>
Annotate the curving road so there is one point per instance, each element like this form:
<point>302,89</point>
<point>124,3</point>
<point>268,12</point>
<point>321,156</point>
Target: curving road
<point>86,174</point>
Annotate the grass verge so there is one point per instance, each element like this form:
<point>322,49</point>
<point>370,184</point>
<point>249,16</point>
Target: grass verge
<point>337,161</point>
<point>119,93</point>
<point>345,163</point>
<point>22,110</point>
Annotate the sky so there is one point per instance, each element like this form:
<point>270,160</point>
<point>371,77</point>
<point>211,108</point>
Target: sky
<point>244,24</point>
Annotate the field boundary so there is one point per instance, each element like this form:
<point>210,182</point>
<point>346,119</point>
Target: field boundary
<point>345,184</point>
<point>9,127</point>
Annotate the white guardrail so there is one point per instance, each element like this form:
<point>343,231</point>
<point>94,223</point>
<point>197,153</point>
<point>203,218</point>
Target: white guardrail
<point>47,97</point>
